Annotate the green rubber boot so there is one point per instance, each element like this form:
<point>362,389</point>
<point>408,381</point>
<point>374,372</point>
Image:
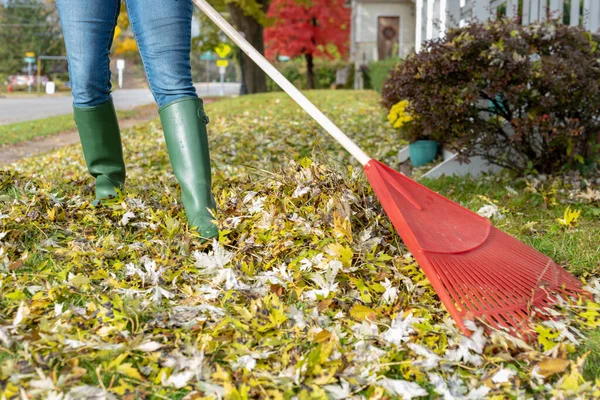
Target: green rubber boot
<point>101,142</point>
<point>184,123</point>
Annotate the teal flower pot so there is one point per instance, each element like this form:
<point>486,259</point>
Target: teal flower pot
<point>422,152</point>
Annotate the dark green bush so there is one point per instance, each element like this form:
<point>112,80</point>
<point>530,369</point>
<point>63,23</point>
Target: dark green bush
<point>524,97</point>
<point>379,70</point>
<point>324,70</point>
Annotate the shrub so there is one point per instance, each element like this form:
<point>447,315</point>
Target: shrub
<point>324,70</point>
<point>3,82</point>
<point>524,97</point>
<point>379,70</point>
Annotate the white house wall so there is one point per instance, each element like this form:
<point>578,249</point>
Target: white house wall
<point>366,28</point>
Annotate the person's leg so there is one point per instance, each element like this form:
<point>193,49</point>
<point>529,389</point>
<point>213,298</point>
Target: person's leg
<point>163,30</point>
<point>88,28</point>
<point>163,33</point>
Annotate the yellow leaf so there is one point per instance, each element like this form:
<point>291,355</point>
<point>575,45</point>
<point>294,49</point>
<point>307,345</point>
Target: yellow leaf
<point>123,388</point>
<point>79,280</point>
<point>233,393</point>
<point>52,214</point>
<point>324,377</point>
<point>365,295</point>
<point>163,373</point>
<point>306,162</point>
<point>10,391</point>
<point>546,336</point>
<point>322,336</point>
<point>486,199</point>
<point>591,315</point>
<point>360,313</point>
<point>244,312</point>
<point>551,366</point>
<point>572,381</point>
<point>277,317</point>
<point>342,227</point>
<point>115,363</point>
<point>16,295</point>
<point>127,370</point>
<point>275,394</point>
<point>570,217</point>
<point>345,254</point>
<point>220,375</point>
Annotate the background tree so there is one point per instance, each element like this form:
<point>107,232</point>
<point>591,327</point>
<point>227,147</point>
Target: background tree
<point>249,17</point>
<point>124,42</point>
<point>319,28</point>
<point>33,25</point>
<point>27,25</point>
<point>210,36</point>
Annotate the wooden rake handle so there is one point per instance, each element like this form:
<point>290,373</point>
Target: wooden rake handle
<point>283,83</point>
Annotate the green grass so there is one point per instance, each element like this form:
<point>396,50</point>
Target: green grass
<point>533,220</point>
<point>28,130</point>
<point>24,93</point>
<point>592,344</point>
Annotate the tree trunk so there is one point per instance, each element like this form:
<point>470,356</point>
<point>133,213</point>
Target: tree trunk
<point>310,76</point>
<point>254,78</point>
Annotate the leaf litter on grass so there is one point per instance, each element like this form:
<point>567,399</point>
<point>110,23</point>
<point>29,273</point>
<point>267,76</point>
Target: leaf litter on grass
<point>307,294</point>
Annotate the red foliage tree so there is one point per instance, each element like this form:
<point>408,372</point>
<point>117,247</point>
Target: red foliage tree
<point>308,28</point>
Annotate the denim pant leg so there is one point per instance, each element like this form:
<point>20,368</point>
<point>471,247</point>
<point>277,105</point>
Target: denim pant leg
<point>163,30</point>
<point>88,28</point>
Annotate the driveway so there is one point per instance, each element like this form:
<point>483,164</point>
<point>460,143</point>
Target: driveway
<point>30,108</point>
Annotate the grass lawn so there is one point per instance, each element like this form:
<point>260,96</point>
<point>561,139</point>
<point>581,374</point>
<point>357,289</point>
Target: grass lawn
<point>27,130</point>
<point>308,292</point>
<point>25,94</point>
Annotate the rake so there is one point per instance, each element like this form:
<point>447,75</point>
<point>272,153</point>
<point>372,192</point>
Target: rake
<point>477,270</point>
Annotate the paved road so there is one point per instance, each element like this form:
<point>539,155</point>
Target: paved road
<point>25,109</point>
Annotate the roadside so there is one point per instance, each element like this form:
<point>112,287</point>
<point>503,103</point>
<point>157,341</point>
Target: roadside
<point>26,139</point>
<point>12,153</point>
<point>27,108</point>
<point>11,134</point>
<point>41,136</point>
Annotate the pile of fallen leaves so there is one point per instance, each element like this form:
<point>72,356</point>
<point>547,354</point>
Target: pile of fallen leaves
<point>307,294</point>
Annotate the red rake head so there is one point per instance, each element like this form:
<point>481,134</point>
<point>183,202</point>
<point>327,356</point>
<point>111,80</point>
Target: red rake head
<point>477,270</point>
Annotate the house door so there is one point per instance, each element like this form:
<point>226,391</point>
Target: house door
<point>388,31</point>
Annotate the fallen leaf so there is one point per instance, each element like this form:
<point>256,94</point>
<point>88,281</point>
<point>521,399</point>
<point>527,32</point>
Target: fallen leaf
<point>360,313</point>
<point>503,375</point>
<point>149,346</point>
<point>16,265</point>
<point>551,366</point>
<point>324,304</point>
<point>127,370</point>
<point>322,336</point>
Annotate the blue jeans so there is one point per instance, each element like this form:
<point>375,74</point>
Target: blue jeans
<point>162,29</point>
